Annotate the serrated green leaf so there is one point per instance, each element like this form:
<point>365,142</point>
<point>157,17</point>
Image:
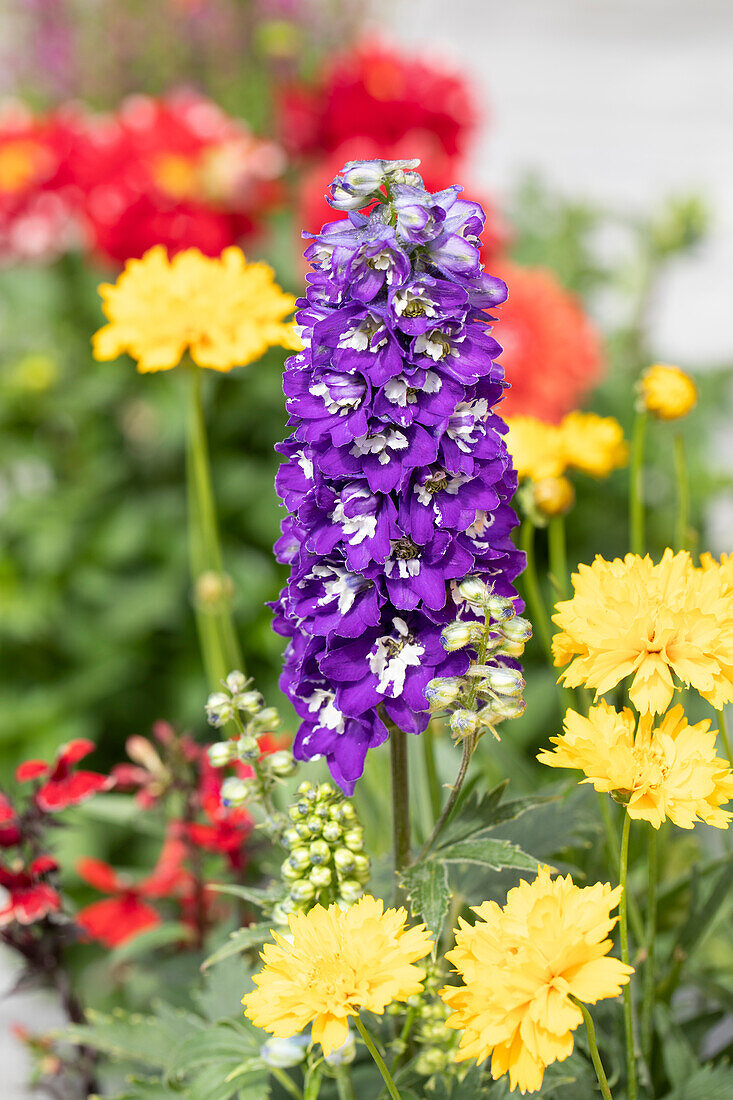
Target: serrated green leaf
<point>226,1044</point>
<point>152,939</point>
<point>241,940</point>
<point>427,887</point>
<point>703,915</point>
<point>708,1083</point>
<point>141,1040</point>
<point>496,854</point>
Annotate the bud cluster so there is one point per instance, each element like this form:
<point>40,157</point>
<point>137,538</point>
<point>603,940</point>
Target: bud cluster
<point>326,860</point>
<point>436,1044</point>
<point>243,709</point>
<point>491,690</point>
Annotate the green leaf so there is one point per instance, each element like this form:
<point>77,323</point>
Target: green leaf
<point>709,1083</point>
<point>227,1044</point>
<point>152,939</point>
<point>703,915</point>
<point>427,887</point>
<point>254,894</point>
<point>241,940</point>
<point>130,1036</point>
<point>496,854</point>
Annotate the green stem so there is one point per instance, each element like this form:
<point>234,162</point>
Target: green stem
<point>647,1006</point>
<point>219,644</point>
<point>287,1082</point>
<point>558,555</point>
<point>535,602</point>
<point>723,726</point>
<point>469,744</point>
<point>400,808</point>
<point>613,852</point>
<point>636,486</point>
<point>683,493</point>
<point>344,1083</point>
<point>593,1046</point>
<point>624,931</point>
<point>379,1060</point>
<point>313,1079</point>
<point>431,773</point>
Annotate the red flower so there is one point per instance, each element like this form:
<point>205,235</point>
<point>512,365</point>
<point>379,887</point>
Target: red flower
<point>64,787</point>
<point>10,833</point>
<point>126,914</point>
<point>226,829</point>
<point>552,351</point>
<point>175,171</point>
<point>150,775</point>
<point>375,92</point>
<point>30,897</point>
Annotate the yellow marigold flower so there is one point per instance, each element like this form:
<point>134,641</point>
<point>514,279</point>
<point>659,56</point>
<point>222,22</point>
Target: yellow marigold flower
<point>553,496</point>
<point>724,567</point>
<point>535,447</point>
<point>667,392</point>
<point>593,444</point>
<point>339,961</point>
<point>669,771</point>
<point>521,964</point>
<point>224,311</point>
<point>651,622</point>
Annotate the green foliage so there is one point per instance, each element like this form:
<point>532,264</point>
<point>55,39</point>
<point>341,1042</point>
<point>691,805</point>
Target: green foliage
<point>241,940</point>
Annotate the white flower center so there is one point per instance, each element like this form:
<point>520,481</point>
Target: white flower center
<point>391,656</point>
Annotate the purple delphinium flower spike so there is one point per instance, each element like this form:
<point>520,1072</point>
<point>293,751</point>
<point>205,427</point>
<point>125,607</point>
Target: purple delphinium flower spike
<point>396,477</point>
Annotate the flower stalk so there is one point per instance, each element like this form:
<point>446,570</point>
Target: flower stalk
<point>378,1059</point>
<point>632,1088</point>
<point>400,807</point>
<point>636,485</point>
<point>593,1047</point>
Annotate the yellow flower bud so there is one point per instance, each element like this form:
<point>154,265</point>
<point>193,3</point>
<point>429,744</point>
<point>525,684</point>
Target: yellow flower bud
<point>667,392</point>
<point>553,496</point>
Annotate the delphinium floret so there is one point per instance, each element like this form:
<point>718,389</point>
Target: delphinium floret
<point>397,478</point>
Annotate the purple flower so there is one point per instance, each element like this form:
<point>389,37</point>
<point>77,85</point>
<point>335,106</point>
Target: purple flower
<point>396,477</point>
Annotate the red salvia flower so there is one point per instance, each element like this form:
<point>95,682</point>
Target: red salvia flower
<point>126,914</point>
<point>63,786</point>
<point>225,829</point>
<point>30,898</point>
<point>552,352</point>
<point>10,833</point>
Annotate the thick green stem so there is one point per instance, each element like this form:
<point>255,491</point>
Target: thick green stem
<point>535,602</point>
<point>558,555</point>
<point>632,1089</point>
<point>400,808</point>
<point>469,744</point>
<point>723,726</point>
<point>217,635</point>
<point>378,1059</point>
<point>647,1006</point>
<point>431,773</point>
<point>683,494</point>
<point>636,486</point>
<point>593,1047</point>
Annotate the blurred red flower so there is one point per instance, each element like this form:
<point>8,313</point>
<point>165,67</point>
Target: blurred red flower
<point>226,829</point>
<point>126,914</point>
<point>552,351</point>
<point>64,786</point>
<point>38,204</point>
<point>30,897</point>
<point>373,91</point>
<point>176,171</point>
<point>10,833</point>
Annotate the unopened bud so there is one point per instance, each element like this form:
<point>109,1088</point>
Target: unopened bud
<point>222,753</point>
<point>325,792</point>
<point>248,702</point>
<point>505,681</point>
<point>219,709</point>
<point>248,749</point>
<point>443,691</point>
<point>302,891</point>
<point>463,723</point>
<point>475,593</point>
<point>354,838</point>
<point>506,707</point>
<point>285,1053</point>
<point>351,890</point>
<point>510,649</point>
<point>315,824</point>
<point>299,859</point>
<point>319,852</point>
<point>517,629</point>
<point>281,763</point>
<point>362,867</point>
<point>320,877</point>
<point>553,496</point>
<point>234,792</point>
<point>500,609</point>
<point>289,873</point>
<point>331,832</point>
<point>267,719</point>
<point>458,635</point>
<point>344,861</point>
<point>291,839</point>
<point>236,682</point>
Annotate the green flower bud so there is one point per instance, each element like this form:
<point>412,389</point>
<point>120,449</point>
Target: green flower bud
<point>235,792</point>
<point>326,791</point>
<point>362,868</point>
<point>304,789</point>
<point>315,824</point>
<point>281,763</point>
<point>354,838</point>
<point>517,629</point>
<point>500,609</point>
<point>302,891</point>
<point>303,831</point>
<point>351,890</point>
<point>444,691</point>
<point>348,813</point>
<point>463,723</point>
<point>248,748</point>
<point>288,872</point>
<point>219,709</point>
<point>236,682</point>
<point>331,832</point>
<point>344,861</point>
<point>319,852</point>
<point>458,635</point>
<point>267,719</point>
<point>506,707</point>
<point>291,839</point>
<point>474,592</point>
<point>505,681</point>
<point>284,1053</point>
<point>222,753</point>
<point>299,859</point>
<point>248,702</point>
<point>320,877</point>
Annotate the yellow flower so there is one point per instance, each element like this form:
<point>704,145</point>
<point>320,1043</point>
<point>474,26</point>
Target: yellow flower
<point>224,311</point>
<point>667,392</point>
<point>521,964</point>
<point>338,962</point>
<point>669,771</point>
<point>553,496</point>
<point>593,444</point>
<point>651,622</point>
<point>535,448</point>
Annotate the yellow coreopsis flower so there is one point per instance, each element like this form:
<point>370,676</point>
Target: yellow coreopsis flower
<point>650,622</point>
<point>520,964</point>
<point>339,961</point>
<point>667,392</point>
<point>593,444</point>
<point>670,770</point>
<point>223,311</point>
<point>535,448</point>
